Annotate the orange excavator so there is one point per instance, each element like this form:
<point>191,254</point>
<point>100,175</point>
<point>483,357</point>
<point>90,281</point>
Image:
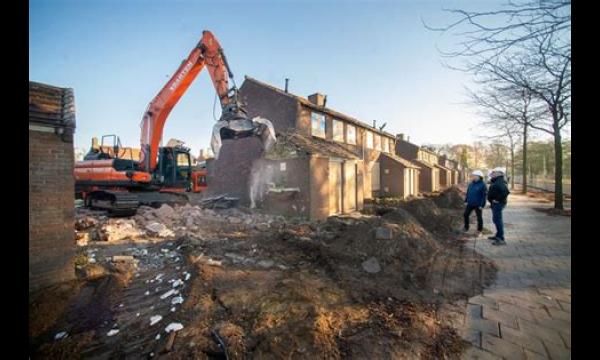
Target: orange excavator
<point>114,181</point>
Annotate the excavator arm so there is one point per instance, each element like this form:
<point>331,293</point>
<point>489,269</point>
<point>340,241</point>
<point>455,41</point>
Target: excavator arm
<point>233,123</point>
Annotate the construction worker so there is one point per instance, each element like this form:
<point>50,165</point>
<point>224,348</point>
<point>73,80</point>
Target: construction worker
<point>475,200</point>
<point>497,196</point>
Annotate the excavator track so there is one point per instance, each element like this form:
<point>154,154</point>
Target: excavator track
<point>124,203</point>
<point>117,203</point>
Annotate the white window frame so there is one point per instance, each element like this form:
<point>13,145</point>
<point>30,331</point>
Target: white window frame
<point>349,139</point>
<point>369,144</point>
<point>335,122</point>
<point>315,116</point>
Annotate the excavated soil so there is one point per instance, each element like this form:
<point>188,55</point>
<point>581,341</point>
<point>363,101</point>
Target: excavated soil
<point>392,284</point>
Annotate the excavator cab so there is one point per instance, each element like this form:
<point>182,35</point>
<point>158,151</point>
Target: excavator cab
<point>174,170</point>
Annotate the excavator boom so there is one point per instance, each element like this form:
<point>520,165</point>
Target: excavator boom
<point>234,122</point>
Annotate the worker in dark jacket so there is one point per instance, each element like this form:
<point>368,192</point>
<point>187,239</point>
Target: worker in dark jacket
<point>497,196</point>
<point>475,200</point>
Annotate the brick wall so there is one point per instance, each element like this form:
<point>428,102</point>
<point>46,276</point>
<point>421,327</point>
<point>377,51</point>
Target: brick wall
<point>51,186</point>
<point>230,173</point>
<point>288,173</point>
<point>392,179</point>
<point>281,110</point>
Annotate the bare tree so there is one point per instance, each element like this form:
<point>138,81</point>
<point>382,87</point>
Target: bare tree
<point>508,112</point>
<point>525,47</point>
<point>506,134</point>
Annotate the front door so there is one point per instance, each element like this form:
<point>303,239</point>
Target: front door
<point>335,187</point>
<point>375,178</point>
<point>349,186</point>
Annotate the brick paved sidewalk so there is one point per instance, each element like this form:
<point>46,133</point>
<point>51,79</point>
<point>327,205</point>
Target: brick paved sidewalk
<point>526,314</point>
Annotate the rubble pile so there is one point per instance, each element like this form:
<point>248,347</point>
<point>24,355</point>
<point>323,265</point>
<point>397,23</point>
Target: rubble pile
<point>166,222</point>
<point>237,283</point>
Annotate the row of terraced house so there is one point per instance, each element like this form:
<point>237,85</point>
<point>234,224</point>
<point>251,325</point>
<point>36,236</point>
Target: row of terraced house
<point>325,162</point>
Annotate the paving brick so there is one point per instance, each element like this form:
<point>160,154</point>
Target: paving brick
<point>485,301</point>
<point>475,353</point>
<point>545,333</point>
<point>501,317</point>
<point>473,311</point>
<point>556,324</point>
<point>525,340</point>
<point>532,305</point>
<point>557,352</point>
<point>530,355</point>
<point>485,326</point>
<point>533,286</point>
<point>517,311</point>
<point>501,347</point>
<point>566,338</point>
<point>473,336</point>
<point>559,314</point>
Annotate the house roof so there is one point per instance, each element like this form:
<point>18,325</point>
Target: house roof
<point>51,105</point>
<point>442,167</point>
<point>429,151</point>
<point>336,114</point>
<point>401,161</point>
<point>422,163</point>
<point>289,144</point>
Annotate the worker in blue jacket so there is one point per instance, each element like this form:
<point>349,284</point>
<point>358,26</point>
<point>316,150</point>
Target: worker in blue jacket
<point>475,200</point>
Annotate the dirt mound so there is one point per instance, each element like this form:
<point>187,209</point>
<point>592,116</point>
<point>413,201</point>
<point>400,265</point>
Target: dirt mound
<point>430,216</point>
<point>451,198</point>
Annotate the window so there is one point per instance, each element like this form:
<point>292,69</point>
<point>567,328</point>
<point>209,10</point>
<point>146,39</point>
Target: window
<point>338,131</point>
<point>369,140</point>
<point>317,124</point>
<point>384,145</point>
<point>376,142</point>
<point>350,134</point>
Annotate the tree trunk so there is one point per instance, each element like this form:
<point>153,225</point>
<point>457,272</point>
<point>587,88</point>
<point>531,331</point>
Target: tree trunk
<point>512,166</point>
<point>524,191</point>
<point>558,170</point>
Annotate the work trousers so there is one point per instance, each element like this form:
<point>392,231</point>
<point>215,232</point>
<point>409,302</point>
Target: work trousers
<point>497,219</point>
<point>467,214</point>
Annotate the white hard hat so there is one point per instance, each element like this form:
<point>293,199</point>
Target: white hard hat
<point>499,171</point>
<point>477,173</point>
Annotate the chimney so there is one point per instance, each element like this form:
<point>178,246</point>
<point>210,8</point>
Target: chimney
<point>375,124</point>
<point>287,81</point>
<point>325,101</point>
<point>400,136</point>
<point>317,99</point>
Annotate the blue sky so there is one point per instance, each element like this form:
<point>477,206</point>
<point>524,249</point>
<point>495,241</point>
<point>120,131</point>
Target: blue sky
<point>373,59</point>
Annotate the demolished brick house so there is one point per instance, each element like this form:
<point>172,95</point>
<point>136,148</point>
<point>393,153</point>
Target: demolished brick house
<point>51,185</point>
<point>289,179</point>
<point>429,177</point>
<point>311,119</point>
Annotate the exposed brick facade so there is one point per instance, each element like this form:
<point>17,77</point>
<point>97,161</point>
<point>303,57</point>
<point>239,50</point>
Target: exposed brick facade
<point>51,186</point>
<point>394,176</point>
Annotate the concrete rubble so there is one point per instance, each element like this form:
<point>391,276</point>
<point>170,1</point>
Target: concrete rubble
<point>168,222</point>
<point>252,279</point>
